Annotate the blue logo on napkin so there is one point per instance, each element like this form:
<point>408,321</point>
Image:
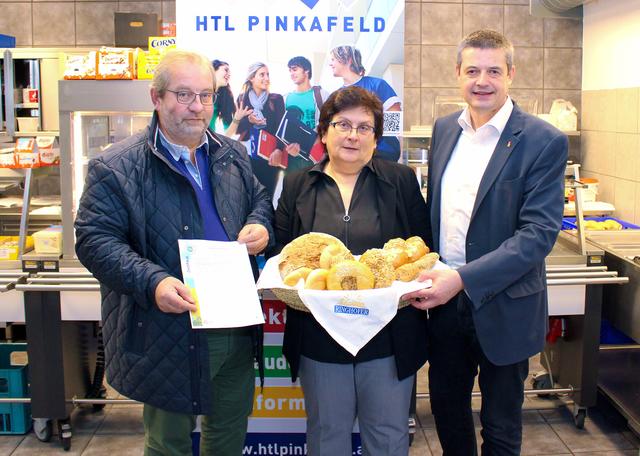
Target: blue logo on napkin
<point>350,310</point>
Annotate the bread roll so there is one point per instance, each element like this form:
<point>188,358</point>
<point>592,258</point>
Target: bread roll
<point>410,271</point>
<point>317,280</point>
<point>416,250</point>
<point>292,279</point>
<point>395,243</point>
<point>305,251</point>
<point>350,275</point>
<point>380,264</point>
<point>334,253</point>
<point>428,261</point>
<point>398,256</point>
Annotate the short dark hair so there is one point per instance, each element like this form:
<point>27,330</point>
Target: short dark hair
<point>301,62</point>
<point>218,63</point>
<point>348,98</point>
<point>486,39</point>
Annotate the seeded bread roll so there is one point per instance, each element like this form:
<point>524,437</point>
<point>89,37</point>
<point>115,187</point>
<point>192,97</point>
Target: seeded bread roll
<point>380,264</point>
<point>304,252</point>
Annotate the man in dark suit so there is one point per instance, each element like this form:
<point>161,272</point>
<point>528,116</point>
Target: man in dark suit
<point>495,197</point>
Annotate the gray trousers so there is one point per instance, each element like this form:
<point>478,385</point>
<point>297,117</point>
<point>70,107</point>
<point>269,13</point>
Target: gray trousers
<point>336,394</point>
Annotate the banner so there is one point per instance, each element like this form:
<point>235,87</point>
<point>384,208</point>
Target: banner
<point>264,45</point>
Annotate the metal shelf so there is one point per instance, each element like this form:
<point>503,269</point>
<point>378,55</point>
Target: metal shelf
<point>36,133</point>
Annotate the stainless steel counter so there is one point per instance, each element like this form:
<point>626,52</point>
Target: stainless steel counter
<point>622,304</point>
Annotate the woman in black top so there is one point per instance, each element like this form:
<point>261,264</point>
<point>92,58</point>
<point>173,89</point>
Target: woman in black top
<point>364,201</point>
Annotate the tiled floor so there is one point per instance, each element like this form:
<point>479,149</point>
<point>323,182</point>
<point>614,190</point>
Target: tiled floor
<point>548,430</point>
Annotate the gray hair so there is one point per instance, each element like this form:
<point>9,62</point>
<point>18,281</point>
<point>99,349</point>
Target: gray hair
<point>163,72</point>
<point>486,39</point>
<point>251,72</point>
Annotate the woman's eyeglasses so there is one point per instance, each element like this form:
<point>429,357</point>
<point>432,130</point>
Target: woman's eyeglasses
<point>346,128</point>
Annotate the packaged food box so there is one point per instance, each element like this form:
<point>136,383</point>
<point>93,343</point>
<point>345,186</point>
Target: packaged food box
<point>9,247</point>
<point>48,240</point>
<point>80,66</point>
<point>147,63</point>
<point>48,150</point>
<point>29,95</point>
<point>168,29</point>
<point>26,153</point>
<point>7,158</point>
<point>161,44</point>
<point>114,63</point>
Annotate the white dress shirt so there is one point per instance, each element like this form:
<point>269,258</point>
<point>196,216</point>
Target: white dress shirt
<point>461,180</point>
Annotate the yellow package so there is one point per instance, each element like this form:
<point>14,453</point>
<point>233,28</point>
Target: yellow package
<point>9,247</point>
<point>161,44</point>
<point>147,63</point>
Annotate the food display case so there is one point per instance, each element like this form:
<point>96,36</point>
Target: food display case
<point>93,115</point>
<point>61,299</point>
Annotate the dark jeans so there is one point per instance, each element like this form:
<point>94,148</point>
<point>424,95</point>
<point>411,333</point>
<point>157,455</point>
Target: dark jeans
<point>455,355</point>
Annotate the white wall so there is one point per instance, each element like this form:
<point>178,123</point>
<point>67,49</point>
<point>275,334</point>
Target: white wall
<point>611,44</point>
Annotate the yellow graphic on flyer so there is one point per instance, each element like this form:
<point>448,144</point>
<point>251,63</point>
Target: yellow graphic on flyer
<point>196,316</point>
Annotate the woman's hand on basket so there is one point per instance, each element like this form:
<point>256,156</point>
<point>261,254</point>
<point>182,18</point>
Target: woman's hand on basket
<point>445,284</point>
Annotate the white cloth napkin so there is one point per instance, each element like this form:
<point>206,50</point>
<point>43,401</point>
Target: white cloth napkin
<point>351,317</point>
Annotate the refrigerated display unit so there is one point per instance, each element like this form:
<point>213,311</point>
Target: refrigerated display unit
<point>61,298</point>
<point>94,115</point>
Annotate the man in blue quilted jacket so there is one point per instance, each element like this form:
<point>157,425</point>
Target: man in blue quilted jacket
<point>176,180</point>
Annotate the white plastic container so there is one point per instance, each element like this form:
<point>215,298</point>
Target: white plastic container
<point>27,124</point>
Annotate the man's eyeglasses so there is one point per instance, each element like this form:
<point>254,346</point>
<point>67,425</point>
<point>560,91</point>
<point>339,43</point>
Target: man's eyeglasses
<point>186,97</point>
<point>346,128</point>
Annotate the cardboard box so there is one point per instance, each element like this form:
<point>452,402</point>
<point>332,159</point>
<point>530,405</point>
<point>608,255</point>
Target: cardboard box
<point>7,157</point>
<point>114,63</point>
<point>80,66</point>
<point>26,153</point>
<point>48,150</point>
<point>133,29</point>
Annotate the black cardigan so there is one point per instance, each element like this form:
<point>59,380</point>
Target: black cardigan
<point>403,213</point>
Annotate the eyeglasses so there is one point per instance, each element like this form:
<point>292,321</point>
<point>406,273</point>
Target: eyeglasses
<point>186,97</point>
<point>346,128</point>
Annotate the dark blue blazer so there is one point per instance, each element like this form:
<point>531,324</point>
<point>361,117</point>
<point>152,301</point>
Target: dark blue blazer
<point>514,225</point>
